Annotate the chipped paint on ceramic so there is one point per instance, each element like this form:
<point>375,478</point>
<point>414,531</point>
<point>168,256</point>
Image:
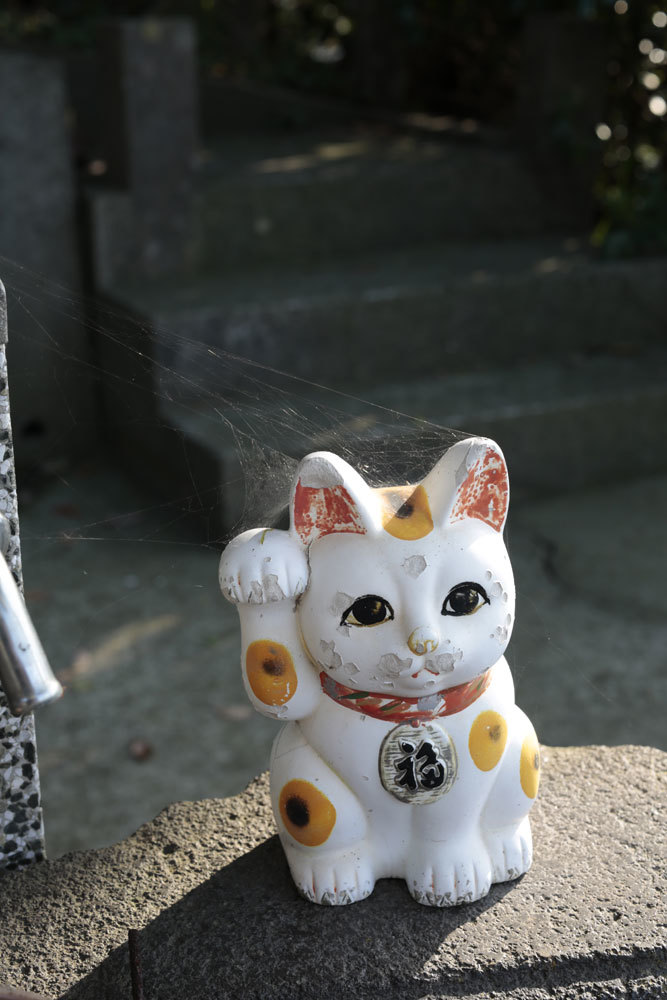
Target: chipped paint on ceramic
<point>443,663</point>
<point>504,630</point>
<point>414,565</point>
<point>484,492</point>
<point>401,722</point>
<point>391,666</point>
<point>341,602</point>
<point>21,825</point>
<point>324,511</point>
<point>328,655</point>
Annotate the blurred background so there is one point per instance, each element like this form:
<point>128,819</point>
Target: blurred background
<point>233,232</point>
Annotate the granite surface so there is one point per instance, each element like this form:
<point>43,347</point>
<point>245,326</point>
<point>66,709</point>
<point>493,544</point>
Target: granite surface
<point>207,887</point>
<point>21,828</point>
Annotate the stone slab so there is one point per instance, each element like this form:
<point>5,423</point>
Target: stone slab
<point>207,886</point>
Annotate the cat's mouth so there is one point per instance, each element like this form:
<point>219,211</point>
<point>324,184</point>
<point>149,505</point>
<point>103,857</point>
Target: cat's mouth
<point>425,669</point>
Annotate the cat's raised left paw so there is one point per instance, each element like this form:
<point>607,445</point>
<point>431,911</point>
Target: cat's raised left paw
<point>263,566</point>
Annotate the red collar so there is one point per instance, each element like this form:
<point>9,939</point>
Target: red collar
<point>415,710</point>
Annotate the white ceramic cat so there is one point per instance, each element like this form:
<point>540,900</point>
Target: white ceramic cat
<point>376,627</point>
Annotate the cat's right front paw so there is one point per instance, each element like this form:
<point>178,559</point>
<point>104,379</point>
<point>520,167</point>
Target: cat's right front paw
<point>262,566</point>
<point>333,879</point>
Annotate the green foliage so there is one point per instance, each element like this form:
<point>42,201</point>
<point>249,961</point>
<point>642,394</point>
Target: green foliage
<point>631,190</point>
<point>457,56</point>
<point>59,24</point>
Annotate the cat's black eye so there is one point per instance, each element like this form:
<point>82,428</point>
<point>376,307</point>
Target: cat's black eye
<point>368,610</point>
<point>464,599</point>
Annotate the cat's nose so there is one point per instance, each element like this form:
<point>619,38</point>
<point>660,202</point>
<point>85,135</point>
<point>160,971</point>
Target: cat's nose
<point>423,640</point>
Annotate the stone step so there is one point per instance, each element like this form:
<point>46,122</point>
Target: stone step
<point>374,319</point>
<point>563,426</point>
<point>313,196</point>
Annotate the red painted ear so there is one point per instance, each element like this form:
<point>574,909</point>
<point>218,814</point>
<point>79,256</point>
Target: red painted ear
<point>328,498</point>
<point>483,490</point>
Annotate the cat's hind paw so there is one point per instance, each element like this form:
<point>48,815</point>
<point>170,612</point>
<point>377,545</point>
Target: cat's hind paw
<point>450,880</point>
<point>334,879</point>
<point>511,852</point>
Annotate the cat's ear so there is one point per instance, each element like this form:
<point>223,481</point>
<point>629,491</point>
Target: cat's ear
<point>470,481</point>
<point>329,497</point>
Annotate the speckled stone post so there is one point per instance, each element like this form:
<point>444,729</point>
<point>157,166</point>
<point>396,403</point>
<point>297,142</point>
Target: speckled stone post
<point>21,827</point>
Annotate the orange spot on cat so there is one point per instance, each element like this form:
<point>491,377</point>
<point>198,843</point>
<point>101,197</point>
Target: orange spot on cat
<point>270,672</point>
<point>529,766</point>
<point>324,511</point>
<point>306,812</point>
<point>484,494</point>
<point>406,513</point>
<point>487,739</point>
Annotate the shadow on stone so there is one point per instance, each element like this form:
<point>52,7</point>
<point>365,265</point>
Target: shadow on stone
<point>246,932</point>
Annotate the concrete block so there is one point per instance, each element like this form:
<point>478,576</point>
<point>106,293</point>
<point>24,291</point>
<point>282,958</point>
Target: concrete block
<point>21,828</point>
<point>207,887</point>
<point>51,395</point>
<point>150,90</point>
<point>148,72</point>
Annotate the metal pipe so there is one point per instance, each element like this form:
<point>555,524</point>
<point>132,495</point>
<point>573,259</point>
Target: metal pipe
<point>25,675</point>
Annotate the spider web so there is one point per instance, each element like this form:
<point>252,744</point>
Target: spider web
<point>264,419</point>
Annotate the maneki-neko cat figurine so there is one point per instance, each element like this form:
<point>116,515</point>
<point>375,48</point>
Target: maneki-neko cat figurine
<point>375,628</point>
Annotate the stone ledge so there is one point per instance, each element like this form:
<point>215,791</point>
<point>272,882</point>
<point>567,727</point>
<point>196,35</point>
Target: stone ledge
<point>207,884</point>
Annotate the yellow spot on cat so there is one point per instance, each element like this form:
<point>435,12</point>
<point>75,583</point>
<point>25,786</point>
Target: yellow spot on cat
<point>270,671</point>
<point>488,736</point>
<point>405,512</point>
<point>306,812</point>
<point>529,767</point>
